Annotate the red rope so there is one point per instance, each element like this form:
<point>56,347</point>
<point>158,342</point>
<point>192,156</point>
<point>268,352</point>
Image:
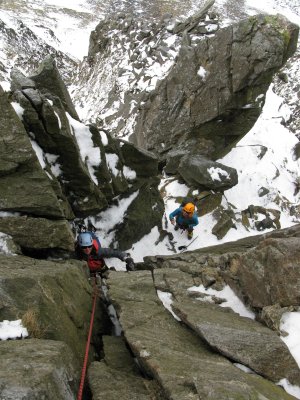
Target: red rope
<point>87,347</point>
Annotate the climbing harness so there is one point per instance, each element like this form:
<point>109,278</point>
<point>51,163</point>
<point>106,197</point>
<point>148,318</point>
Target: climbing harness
<point>87,347</point>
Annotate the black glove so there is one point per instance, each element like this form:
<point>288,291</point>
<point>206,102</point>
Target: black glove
<point>129,264</point>
<point>128,260</point>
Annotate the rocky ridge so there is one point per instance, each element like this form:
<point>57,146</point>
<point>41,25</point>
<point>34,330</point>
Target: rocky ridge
<point>139,53</point>
<point>175,359</point>
<point>30,49</point>
<point>148,89</point>
<point>219,102</point>
<point>44,124</point>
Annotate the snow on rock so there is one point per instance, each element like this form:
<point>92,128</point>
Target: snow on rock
<point>12,330</point>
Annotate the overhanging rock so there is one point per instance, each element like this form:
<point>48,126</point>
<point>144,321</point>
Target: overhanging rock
<point>215,91</point>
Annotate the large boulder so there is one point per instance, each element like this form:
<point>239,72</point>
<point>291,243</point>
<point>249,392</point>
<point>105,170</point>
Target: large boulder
<point>260,270</point>
<point>38,369</point>
<point>41,293</point>
<point>200,172</point>
<point>214,93</point>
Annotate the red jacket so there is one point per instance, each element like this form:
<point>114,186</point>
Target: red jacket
<point>95,263</point>
<point>95,259</point>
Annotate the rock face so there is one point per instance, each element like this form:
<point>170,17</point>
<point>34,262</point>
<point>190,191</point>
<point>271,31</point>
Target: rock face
<point>252,266</point>
<point>48,80</point>
<point>200,336</point>
<point>212,89</point>
<point>38,233</point>
<point>44,290</point>
<point>216,337</point>
<point>168,352</point>
<point>213,94</point>
<point>47,364</point>
<point>270,272</point>
<point>65,170</point>
<point>47,180</point>
<point>20,170</point>
<point>239,339</point>
<point>208,94</point>
<point>200,172</point>
<point>37,369</point>
<point>118,376</point>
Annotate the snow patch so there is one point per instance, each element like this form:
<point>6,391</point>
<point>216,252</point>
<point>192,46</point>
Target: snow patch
<point>12,330</point>
<point>129,173</point>
<point>18,109</point>
<point>226,293</point>
<point>89,153</point>
<point>217,173</point>
<point>202,73</point>
<point>166,299</point>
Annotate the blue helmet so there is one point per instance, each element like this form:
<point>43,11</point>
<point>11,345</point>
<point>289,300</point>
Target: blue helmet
<point>85,239</point>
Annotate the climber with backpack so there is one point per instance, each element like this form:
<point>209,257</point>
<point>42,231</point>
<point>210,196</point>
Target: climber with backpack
<point>88,248</point>
<point>185,217</point>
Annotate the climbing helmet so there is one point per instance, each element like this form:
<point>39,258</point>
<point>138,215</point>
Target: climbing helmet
<point>85,239</point>
<point>189,208</point>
